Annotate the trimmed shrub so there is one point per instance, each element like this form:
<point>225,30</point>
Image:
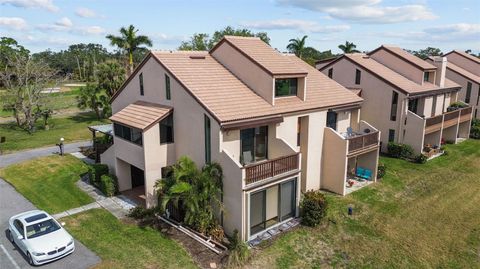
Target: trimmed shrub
<point>141,213</point>
<point>456,105</point>
<point>314,207</point>
<point>400,150</point>
<point>475,132</point>
<point>382,170</point>
<point>108,185</point>
<point>95,172</point>
<point>420,158</point>
<point>239,252</point>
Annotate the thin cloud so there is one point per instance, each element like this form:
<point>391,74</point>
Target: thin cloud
<point>85,12</point>
<point>42,4</point>
<point>442,33</point>
<point>300,25</point>
<point>14,23</point>
<point>66,25</point>
<point>364,11</point>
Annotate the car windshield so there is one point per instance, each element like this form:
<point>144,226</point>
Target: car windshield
<point>42,228</point>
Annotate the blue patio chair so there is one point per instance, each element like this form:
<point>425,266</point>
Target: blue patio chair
<point>367,174</point>
<point>360,172</point>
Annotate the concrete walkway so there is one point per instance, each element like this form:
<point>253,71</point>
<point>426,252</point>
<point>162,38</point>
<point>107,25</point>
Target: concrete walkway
<point>17,157</point>
<point>119,205</point>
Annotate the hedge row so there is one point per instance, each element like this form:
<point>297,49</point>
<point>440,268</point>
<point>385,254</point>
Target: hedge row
<point>99,177</point>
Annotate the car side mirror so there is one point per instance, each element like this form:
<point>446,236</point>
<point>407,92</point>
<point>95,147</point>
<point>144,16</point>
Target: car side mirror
<point>20,237</point>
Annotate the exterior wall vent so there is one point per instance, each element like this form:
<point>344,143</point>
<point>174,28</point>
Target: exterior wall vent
<point>197,57</point>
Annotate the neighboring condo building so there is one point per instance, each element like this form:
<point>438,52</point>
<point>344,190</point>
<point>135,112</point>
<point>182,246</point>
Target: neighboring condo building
<point>405,97</point>
<point>275,124</point>
<point>464,69</point>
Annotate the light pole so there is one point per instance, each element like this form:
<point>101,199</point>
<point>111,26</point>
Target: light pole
<point>60,145</point>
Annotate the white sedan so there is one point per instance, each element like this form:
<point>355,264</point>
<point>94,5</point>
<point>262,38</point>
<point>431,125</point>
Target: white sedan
<point>40,237</point>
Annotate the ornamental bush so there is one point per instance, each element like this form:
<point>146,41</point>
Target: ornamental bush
<point>400,150</point>
<point>108,185</point>
<point>95,173</point>
<point>382,170</point>
<point>420,158</point>
<point>314,207</point>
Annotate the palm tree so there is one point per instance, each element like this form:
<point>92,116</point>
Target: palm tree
<point>197,192</point>
<point>91,97</point>
<point>110,75</point>
<point>297,46</point>
<point>349,47</point>
<point>129,41</point>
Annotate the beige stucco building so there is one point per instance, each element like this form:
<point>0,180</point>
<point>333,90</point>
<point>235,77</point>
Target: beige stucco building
<point>464,69</point>
<point>405,97</point>
<point>276,125</point>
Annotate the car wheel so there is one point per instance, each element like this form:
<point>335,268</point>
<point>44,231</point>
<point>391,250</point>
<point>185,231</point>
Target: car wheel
<point>30,260</point>
<point>10,236</point>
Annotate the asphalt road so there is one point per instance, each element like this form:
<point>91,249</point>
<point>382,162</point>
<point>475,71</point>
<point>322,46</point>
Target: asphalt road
<point>8,159</point>
<point>11,203</point>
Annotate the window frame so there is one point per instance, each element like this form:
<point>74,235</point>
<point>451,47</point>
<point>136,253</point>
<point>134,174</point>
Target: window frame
<point>394,106</point>
<point>468,93</point>
<point>208,138</point>
<point>128,133</point>
<point>290,93</point>
<point>426,76</point>
<point>167,125</point>
<point>358,76</point>
<point>168,95</point>
<point>334,127</point>
<point>330,72</point>
<point>391,135</point>
<point>140,81</point>
<point>254,142</point>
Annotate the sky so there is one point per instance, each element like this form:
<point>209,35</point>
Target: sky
<point>411,24</point>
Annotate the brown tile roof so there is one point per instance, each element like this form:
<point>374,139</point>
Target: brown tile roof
<point>466,55</point>
<point>229,99</point>
<point>394,78</point>
<point>463,72</point>
<point>263,55</point>
<point>405,55</point>
<point>141,115</point>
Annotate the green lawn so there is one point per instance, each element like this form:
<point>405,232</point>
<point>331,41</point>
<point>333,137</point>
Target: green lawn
<point>49,182</point>
<point>123,245</point>
<point>419,216</point>
<point>56,101</point>
<point>72,128</point>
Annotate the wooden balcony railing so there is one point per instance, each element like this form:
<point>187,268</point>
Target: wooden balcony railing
<point>270,168</point>
<point>362,141</point>
<point>447,119</point>
<point>434,120</point>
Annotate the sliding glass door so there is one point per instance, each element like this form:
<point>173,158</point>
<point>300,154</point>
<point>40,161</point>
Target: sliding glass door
<point>253,143</point>
<point>272,205</point>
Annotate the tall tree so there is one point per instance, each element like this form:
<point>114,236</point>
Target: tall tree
<point>297,46</point>
<point>429,51</point>
<point>92,97</point>
<point>196,42</point>
<point>24,80</point>
<point>348,47</point>
<point>110,77</point>
<point>202,41</point>
<point>129,42</point>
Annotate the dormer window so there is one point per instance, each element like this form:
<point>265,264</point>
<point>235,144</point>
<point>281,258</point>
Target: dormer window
<point>426,76</point>
<point>286,87</point>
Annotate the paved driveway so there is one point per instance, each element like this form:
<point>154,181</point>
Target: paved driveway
<point>8,159</point>
<point>11,203</point>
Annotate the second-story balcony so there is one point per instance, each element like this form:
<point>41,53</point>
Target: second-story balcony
<point>429,133</point>
<point>271,168</point>
<point>350,158</point>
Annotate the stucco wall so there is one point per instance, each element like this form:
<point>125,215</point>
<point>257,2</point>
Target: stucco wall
<point>153,85</point>
<point>122,169</point>
<point>129,152</point>
<point>414,132</point>
<point>398,65</point>
<point>247,71</point>
<point>462,81</point>
<point>377,97</point>
<point>334,166</point>
<point>108,158</point>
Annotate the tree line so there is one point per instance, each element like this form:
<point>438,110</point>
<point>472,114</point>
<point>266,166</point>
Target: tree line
<point>23,75</point>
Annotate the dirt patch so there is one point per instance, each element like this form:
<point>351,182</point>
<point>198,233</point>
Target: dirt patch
<point>200,254</point>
